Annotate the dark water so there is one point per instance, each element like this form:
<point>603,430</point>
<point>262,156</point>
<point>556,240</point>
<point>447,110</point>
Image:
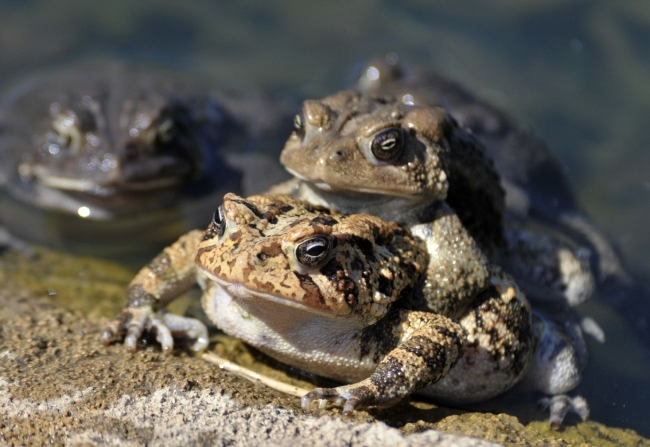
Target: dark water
<point>577,72</point>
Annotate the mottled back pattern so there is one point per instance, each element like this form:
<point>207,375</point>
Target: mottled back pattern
<point>357,265</point>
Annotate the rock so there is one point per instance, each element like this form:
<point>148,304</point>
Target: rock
<point>60,386</point>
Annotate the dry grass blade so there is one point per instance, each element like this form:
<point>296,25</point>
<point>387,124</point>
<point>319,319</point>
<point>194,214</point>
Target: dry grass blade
<point>246,373</point>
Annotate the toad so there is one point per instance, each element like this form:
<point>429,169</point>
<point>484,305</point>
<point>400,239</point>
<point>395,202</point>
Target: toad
<point>399,159</point>
<point>354,298</point>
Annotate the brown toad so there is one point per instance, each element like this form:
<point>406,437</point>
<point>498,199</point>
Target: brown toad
<point>362,153</point>
<point>399,159</point>
<point>95,156</point>
<point>108,140</point>
<point>342,297</point>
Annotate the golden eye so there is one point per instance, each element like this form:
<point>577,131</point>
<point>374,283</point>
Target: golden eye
<point>299,125</point>
<point>388,144</point>
<point>314,252</point>
<point>219,221</point>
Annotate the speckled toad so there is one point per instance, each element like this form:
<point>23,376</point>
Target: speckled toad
<point>343,297</point>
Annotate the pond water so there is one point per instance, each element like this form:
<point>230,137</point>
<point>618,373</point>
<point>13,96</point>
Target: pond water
<point>575,71</point>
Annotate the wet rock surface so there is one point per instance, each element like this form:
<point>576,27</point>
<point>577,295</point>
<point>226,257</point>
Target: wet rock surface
<point>60,386</point>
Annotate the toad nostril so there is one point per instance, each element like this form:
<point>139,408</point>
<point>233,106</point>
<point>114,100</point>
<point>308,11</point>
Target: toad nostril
<point>338,155</point>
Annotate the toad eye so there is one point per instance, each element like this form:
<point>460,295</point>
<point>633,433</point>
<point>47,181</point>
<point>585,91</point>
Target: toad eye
<point>299,125</point>
<point>388,144</point>
<point>314,252</point>
<point>219,221</point>
<point>162,133</point>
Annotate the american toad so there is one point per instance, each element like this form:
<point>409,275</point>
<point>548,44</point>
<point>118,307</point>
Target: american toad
<point>114,140</point>
<point>93,157</point>
<point>343,297</point>
<point>537,186</point>
<point>363,153</point>
<point>399,159</point>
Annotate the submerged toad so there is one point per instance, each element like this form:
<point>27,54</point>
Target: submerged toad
<point>110,160</point>
<point>400,160</point>
<point>114,140</point>
<point>343,297</point>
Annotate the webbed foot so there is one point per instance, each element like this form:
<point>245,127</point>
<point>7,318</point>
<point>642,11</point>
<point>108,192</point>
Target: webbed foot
<point>133,322</point>
<point>560,405</point>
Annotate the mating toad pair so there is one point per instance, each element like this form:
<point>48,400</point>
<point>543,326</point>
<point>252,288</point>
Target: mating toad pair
<point>418,306</point>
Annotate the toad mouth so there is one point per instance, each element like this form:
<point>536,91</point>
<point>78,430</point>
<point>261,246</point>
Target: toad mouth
<point>239,291</point>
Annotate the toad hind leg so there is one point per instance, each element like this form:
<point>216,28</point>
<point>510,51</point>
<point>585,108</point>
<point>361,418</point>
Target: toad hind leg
<point>557,367</point>
<point>429,346</point>
<point>501,344</point>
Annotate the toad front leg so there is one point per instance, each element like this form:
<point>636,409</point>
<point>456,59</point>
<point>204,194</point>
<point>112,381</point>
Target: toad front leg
<point>170,274</point>
<point>429,346</point>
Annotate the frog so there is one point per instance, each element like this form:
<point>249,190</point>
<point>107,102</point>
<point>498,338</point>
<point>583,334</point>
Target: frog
<point>399,159</point>
<point>343,296</point>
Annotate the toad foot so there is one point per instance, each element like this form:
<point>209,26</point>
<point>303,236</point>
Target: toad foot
<point>353,397</point>
<point>560,405</point>
<point>134,321</point>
